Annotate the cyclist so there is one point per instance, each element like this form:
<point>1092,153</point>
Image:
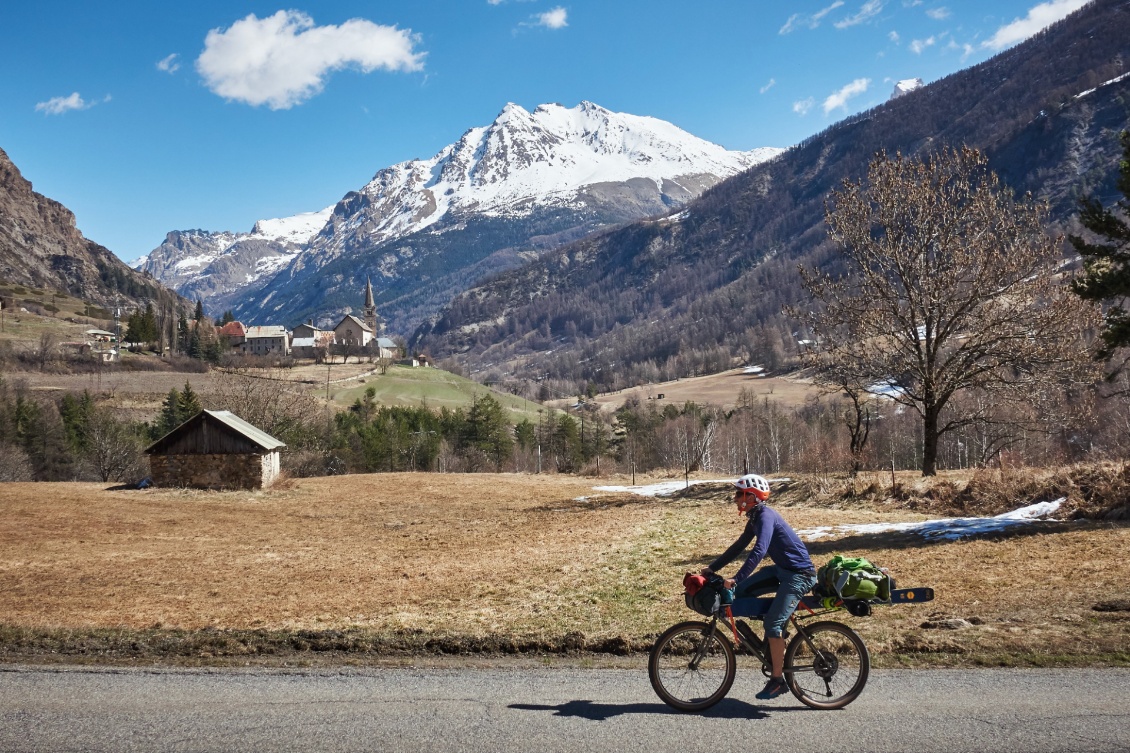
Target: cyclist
<point>791,575</point>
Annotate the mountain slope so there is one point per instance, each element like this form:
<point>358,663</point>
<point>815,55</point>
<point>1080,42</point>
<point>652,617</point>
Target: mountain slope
<point>498,197</point>
<point>40,247</point>
<point>204,265</point>
<point>665,298</point>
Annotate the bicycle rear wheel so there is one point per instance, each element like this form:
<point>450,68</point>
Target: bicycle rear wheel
<point>692,666</point>
<point>830,668</point>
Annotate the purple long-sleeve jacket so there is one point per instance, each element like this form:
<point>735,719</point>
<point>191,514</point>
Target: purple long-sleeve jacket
<point>774,538</point>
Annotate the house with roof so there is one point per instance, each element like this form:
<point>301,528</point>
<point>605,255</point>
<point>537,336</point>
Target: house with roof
<point>233,332</point>
<point>385,348</point>
<point>215,450</point>
<point>265,341</point>
<point>303,331</point>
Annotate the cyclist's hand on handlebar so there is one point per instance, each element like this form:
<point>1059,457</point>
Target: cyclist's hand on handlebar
<point>729,583</point>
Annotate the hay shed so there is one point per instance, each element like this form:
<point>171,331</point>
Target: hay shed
<point>215,449</point>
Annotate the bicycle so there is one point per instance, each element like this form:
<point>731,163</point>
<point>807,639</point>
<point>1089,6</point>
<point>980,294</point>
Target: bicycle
<point>693,664</point>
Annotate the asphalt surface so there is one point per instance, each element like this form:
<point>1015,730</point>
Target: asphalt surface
<point>388,710</point>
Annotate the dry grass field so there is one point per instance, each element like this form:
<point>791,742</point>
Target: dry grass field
<point>720,389</point>
<point>372,565</point>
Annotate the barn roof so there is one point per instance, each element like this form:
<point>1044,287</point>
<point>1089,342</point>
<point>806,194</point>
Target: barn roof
<point>233,422</point>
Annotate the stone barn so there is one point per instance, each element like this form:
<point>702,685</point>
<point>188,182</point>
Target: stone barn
<point>215,449</point>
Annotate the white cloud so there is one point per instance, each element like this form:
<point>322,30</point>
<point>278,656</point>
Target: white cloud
<point>283,60</point>
<point>552,19</point>
<point>894,37</point>
<point>169,64</point>
<point>768,86</point>
<point>939,14</point>
<point>60,105</point>
<point>919,45</point>
<point>802,107</point>
<point>869,10</point>
<point>1039,17</point>
<point>840,98</point>
<point>798,20</point>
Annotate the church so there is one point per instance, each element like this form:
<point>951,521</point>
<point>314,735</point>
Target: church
<point>364,333</point>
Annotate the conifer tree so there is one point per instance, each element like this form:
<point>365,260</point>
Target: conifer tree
<point>1106,263</point>
<point>188,404</point>
<point>170,416</point>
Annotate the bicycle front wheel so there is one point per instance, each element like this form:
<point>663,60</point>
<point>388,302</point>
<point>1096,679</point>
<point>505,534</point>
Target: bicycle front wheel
<point>692,666</point>
<point>827,665</point>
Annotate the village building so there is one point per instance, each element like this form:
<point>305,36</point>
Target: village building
<point>233,332</point>
<point>351,331</point>
<point>215,450</point>
<point>311,347</point>
<point>303,331</point>
<point>266,340</point>
<point>386,348</point>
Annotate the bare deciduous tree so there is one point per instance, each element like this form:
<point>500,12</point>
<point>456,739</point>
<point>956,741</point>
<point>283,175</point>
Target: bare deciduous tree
<point>15,465</point>
<point>951,286</point>
<point>114,448</point>
<point>268,400</point>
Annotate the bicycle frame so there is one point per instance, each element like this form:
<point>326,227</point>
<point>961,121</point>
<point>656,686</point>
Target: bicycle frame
<point>725,615</point>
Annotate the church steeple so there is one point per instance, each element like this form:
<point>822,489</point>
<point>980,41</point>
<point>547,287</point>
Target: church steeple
<point>370,308</point>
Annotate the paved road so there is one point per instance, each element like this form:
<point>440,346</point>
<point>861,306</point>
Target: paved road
<point>500,710</point>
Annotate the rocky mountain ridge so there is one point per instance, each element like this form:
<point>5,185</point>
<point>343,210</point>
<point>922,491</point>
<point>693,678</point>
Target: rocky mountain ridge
<point>493,200</point>
<point>202,264</point>
<point>41,247</point>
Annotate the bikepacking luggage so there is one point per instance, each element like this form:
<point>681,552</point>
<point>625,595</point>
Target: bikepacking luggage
<point>706,594</point>
<point>853,578</point>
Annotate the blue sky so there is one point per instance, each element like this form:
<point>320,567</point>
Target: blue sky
<point>144,117</point>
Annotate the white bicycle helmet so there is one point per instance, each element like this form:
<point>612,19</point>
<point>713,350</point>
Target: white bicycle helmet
<point>752,490</point>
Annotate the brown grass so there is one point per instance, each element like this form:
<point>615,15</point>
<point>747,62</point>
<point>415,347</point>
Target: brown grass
<point>429,562</point>
<point>713,389</point>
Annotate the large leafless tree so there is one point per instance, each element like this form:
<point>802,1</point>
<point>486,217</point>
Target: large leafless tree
<point>949,286</point>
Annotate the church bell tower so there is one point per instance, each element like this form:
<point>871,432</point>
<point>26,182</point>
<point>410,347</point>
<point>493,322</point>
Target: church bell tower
<point>371,320</point>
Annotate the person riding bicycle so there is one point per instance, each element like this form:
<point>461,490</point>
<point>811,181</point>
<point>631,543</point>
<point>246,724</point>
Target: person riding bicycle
<point>791,575</point>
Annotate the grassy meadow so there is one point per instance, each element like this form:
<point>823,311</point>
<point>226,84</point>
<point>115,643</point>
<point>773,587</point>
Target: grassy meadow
<point>365,568</point>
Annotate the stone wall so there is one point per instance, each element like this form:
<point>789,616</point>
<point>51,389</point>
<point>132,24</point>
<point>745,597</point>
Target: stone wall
<point>214,471</point>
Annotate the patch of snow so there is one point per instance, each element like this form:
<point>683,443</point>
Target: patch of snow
<point>663,488</point>
<point>906,86</point>
<point>298,229</point>
<point>945,529</point>
<point>1114,80</point>
<point>885,389</point>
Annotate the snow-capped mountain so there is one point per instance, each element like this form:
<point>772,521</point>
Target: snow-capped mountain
<point>906,86</point>
<point>201,263</point>
<point>426,229</point>
<point>526,160</point>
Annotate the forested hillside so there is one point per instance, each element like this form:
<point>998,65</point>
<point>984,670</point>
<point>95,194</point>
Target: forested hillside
<point>688,292</point>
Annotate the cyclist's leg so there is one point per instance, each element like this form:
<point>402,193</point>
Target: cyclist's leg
<point>793,587</point>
